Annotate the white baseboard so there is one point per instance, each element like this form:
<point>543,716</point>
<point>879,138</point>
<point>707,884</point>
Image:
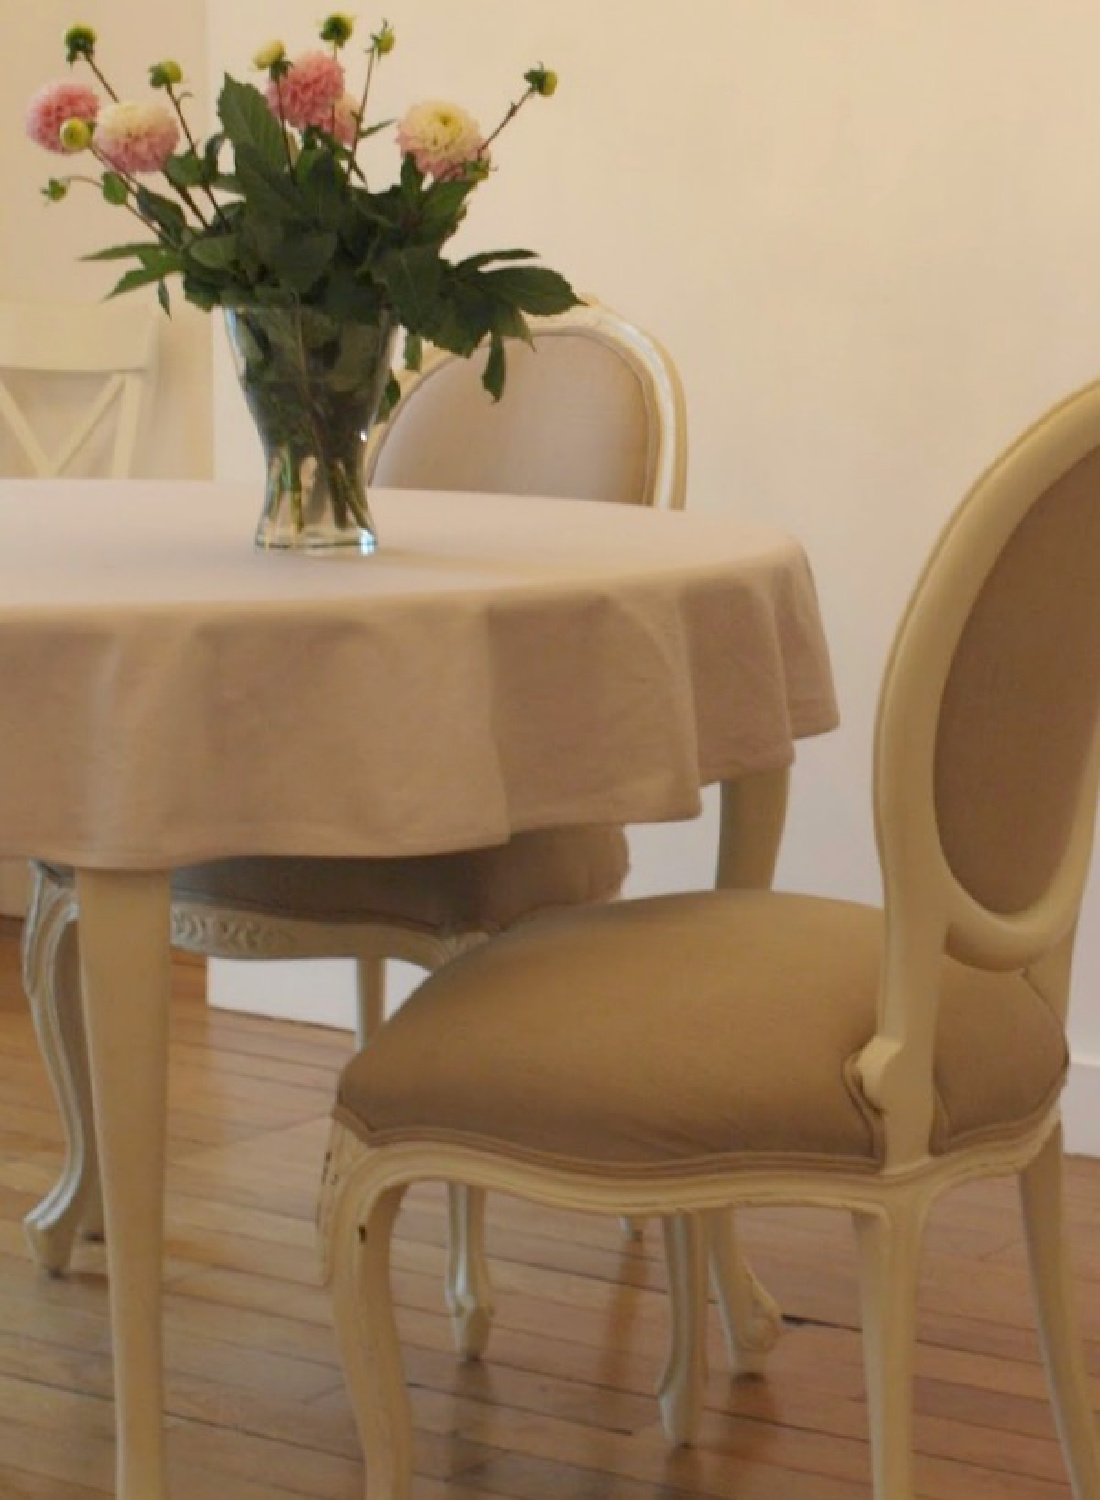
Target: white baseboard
<point>1081,1107</point>
<point>319,992</point>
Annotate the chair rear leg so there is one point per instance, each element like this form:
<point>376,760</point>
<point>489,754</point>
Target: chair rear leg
<point>889,1242</point>
<point>751,1319</point>
<point>683,1382</point>
<point>1059,1329</point>
<point>468,1289</point>
<point>51,973</point>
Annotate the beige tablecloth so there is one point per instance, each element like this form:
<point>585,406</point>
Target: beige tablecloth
<point>168,695</point>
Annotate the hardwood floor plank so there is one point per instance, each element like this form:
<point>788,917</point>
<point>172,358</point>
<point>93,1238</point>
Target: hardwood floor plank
<point>562,1407</point>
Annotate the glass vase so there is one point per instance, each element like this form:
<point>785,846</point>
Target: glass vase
<point>313,386</point>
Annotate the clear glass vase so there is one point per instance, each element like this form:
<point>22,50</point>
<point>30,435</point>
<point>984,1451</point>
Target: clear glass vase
<point>313,386</point>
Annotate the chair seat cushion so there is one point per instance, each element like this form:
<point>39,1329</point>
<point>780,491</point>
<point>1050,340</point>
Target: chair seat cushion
<point>479,890</point>
<point>695,1029</point>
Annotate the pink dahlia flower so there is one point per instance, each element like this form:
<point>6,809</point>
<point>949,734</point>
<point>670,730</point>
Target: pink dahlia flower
<point>135,137</point>
<point>309,92</point>
<point>441,138</point>
<point>344,117</point>
<point>56,103</point>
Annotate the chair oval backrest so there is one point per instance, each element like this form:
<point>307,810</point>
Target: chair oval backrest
<point>987,754</point>
<point>595,412</point>
<point>117,341</point>
<point>987,742</point>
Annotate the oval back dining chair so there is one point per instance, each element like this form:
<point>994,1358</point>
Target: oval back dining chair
<point>748,1047</point>
<point>594,410</point>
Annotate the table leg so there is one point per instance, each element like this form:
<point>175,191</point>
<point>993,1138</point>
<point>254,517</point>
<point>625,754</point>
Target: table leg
<point>754,811</point>
<point>125,971</point>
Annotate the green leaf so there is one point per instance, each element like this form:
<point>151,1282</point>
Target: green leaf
<point>162,298</point>
<point>132,280</point>
<point>215,253</point>
<point>492,377</point>
<point>322,187</point>
<point>302,259</point>
<point>414,351</point>
<point>248,121</point>
<point>269,189</point>
<point>114,189</point>
<point>412,279</point>
<point>535,289</point>
<point>487,257</point>
<point>120,252</point>
<point>166,216</point>
<point>185,170</point>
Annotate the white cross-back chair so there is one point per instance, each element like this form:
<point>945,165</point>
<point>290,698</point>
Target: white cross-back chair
<point>802,1050</point>
<point>106,354</point>
<point>594,411</point>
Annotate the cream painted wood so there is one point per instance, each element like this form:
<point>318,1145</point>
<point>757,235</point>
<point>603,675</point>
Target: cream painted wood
<point>928,914</point>
<point>213,929</point>
<point>1059,1325</point>
<point>683,1379</point>
<point>116,341</point>
<point>125,970</point>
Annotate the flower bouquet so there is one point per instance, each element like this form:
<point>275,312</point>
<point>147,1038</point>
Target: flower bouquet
<point>276,218</point>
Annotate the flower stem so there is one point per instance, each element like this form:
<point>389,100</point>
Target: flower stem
<point>177,105</point>
<point>360,115</point>
<point>510,114</point>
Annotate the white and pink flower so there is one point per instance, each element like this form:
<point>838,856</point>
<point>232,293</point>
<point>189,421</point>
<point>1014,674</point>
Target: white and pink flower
<point>136,136</point>
<point>345,120</point>
<point>308,92</point>
<point>53,105</point>
<point>441,138</point>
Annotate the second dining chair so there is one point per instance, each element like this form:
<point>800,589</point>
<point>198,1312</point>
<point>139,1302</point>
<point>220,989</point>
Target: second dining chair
<point>755,1048</point>
<point>594,411</point>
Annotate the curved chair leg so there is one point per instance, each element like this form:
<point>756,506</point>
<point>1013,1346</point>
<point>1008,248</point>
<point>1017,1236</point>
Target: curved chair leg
<point>367,1336</point>
<point>51,976</point>
<point>469,1291</point>
<point>1059,1328</point>
<point>751,1319</point>
<point>889,1252</point>
<point>683,1381</point>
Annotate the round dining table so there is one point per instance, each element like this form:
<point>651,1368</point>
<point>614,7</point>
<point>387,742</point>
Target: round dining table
<point>503,663</point>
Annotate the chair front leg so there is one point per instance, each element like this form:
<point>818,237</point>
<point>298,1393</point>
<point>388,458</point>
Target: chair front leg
<point>51,976</point>
<point>1059,1327</point>
<point>889,1242</point>
<point>367,1336</point>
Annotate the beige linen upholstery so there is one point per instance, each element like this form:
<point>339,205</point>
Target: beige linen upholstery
<point>629,1040</point>
<point>694,1053</point>
<point>479,890</point>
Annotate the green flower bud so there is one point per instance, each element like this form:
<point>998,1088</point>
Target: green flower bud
<point>164,74</point>
<point>543,81</point>
<point>79,42</point>
<point>384,40</point>
<point>55,190</point>
<point>269,55</point>
<point>337,28</point>
<point>75,135</point>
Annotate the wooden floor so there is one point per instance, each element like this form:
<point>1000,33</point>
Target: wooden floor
<point>562,1406</point>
